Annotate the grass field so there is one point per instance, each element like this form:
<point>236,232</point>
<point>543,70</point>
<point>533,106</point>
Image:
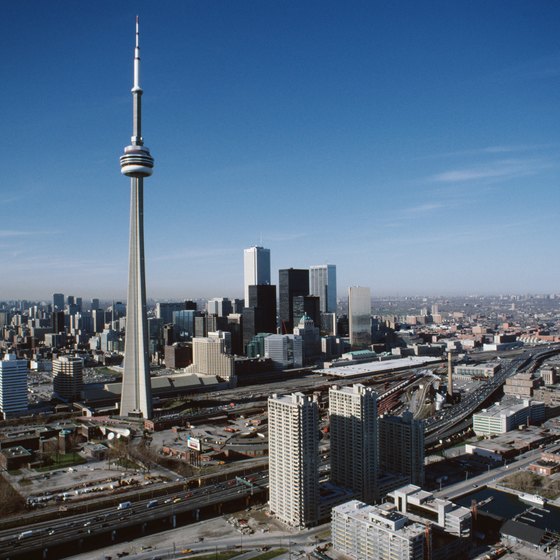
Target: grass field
<point>63,461</point>
<point>268,555</point>
<point>218,556</point>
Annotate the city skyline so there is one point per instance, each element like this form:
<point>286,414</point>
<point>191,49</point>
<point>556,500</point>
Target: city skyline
<point>415,147</point>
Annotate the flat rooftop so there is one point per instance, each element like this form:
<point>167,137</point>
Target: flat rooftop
<point>505,409</point>
<point>366,368</point>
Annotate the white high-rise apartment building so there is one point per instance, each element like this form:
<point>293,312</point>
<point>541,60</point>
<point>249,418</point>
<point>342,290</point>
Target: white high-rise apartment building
<point>13,386</point>
<point>256,269</point>
<point>354,439</point>
<point>322,283</point>
<point>359,316</point>
<point>68,378</point>
<point>293,436</point>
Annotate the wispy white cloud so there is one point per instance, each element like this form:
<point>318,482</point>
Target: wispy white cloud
<point>193,254</point>
<point>424,208</point>
<point>24,261</point>
<point>13,198</point>
<point>497,170</point>
<point>493,150</point>
<point>288,236</point>
<point>5,233</point>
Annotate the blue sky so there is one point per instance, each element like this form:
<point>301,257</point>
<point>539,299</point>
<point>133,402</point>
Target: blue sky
<point>413,144</point>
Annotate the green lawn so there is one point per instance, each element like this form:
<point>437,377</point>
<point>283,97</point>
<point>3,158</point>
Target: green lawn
<point>126,464</point>
<point>219,556</point>
<point>62,461</point>
<point>233,553</point>
<point>270,554</point>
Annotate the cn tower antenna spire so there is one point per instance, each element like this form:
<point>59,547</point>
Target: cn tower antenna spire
<point>137,59</point>
<point>136,139</point>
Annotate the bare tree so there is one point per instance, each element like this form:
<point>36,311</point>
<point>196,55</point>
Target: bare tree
<point>11,501</point>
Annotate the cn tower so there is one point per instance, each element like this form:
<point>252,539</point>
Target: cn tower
<point>136,163</point>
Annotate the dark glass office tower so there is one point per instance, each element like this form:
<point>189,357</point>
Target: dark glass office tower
<point>57,322</point>
<point>307,305</point>
<point>260,315</point>
<point>264,297</point>
<point>293,282</point>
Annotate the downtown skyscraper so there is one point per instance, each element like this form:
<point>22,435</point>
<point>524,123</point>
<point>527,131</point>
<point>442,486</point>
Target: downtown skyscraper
<point>256,269</point>
<point>293,282</point>
<point>359,316</point>
<point>322,283</point>
<point>136,163</point>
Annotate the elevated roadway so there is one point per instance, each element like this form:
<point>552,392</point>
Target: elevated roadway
<point>35,541</point>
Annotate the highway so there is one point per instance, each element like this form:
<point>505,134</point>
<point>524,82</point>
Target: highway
<point>457,418</point>
<point>40,536</point>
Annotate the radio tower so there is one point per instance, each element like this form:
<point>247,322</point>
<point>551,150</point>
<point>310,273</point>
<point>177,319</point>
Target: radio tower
<point>136,163</point>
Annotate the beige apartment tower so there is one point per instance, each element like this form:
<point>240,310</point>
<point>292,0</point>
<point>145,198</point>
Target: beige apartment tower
<point>210,358</point>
